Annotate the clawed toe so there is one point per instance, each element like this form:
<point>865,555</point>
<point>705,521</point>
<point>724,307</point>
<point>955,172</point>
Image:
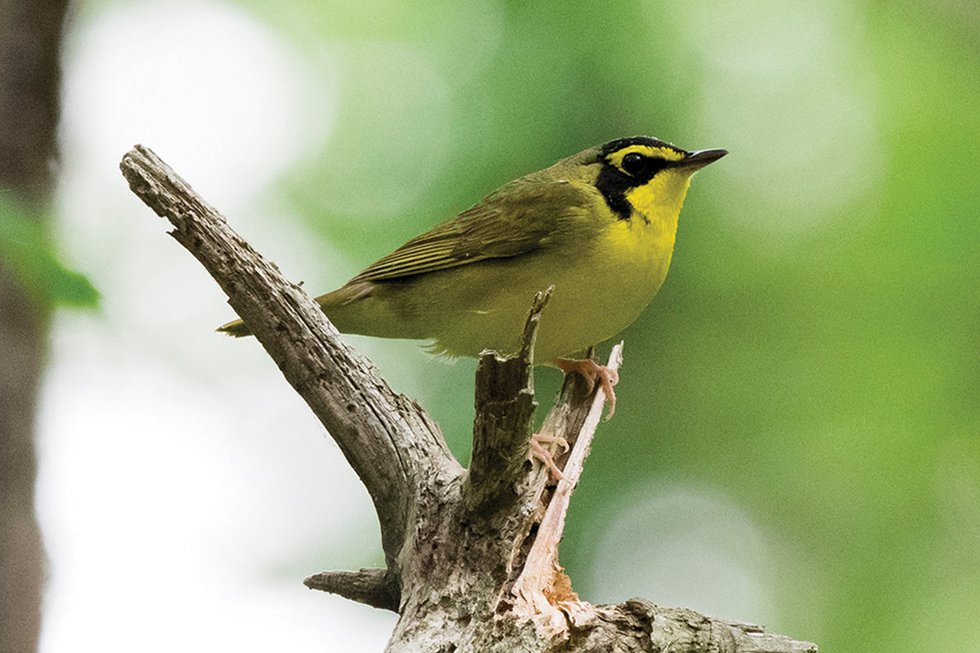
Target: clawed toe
<point>539,451</point>
<point>592,371</point>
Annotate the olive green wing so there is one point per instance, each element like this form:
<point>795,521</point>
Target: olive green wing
<point>519,218</point>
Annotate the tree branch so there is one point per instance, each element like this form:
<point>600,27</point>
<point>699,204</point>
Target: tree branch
<point>471,558</point>
<point>653,628</point>
<point>374,587</point>
<point>504,408</point>
<point>542,589</point>
<point>390,442</point>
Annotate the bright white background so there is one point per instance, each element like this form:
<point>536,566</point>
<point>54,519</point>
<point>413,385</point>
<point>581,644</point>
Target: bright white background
<point>184,490</point>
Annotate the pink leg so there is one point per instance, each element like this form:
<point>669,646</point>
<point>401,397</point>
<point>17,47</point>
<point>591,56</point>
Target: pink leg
<point>591,371</point>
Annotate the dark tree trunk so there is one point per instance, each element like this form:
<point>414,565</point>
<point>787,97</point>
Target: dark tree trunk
<point>30,38</point>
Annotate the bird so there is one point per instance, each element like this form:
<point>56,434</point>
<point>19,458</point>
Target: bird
<point>598,227</point>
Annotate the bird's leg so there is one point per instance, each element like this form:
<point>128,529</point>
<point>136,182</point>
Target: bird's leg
<point>539,451</point>
<point>591,371</point>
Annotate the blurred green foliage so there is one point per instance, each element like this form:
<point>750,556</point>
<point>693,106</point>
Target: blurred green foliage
<point>814,353</point>
<point>27,250</point>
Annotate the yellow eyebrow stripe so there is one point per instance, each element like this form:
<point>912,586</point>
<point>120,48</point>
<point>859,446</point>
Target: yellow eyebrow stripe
<point>663,153</point>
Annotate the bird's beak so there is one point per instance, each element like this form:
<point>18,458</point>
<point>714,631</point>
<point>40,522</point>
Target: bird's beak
<point>701,158</point>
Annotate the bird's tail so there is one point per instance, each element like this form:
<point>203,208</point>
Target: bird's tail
<point>329,303</point>
<point>236,329</point>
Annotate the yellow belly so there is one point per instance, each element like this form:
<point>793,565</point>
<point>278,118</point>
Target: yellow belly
<point>599,290</point>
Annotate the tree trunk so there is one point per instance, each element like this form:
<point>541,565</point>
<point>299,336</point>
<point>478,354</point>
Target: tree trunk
<point>471,555</point>
<point>30,38</point>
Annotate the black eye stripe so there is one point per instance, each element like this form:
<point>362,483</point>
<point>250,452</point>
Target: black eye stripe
<point>641,167</point>
<point>614,181</point>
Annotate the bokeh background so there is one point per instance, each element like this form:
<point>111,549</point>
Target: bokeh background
<point>798,436</point>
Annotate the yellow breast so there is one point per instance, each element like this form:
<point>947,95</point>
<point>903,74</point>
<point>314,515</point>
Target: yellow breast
<point>639,249</point>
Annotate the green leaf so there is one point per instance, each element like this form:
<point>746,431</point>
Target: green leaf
<point>28,251</point>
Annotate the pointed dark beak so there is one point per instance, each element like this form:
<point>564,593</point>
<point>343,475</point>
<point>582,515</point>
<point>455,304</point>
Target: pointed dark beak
<point>701,158</point>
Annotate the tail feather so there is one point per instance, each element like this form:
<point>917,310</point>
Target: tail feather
<point>331,303</point>
<point>236,329</point>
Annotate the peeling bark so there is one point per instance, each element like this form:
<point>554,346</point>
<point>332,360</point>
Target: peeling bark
<point>471,554</point>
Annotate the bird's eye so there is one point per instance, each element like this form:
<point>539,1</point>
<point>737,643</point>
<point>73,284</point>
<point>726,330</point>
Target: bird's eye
<point>634,163</point>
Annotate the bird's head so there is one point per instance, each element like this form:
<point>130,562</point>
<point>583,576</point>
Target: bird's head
<point>646,176</point>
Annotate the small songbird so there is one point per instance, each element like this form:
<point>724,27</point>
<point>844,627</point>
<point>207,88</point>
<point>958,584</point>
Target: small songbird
<point>599,226</point>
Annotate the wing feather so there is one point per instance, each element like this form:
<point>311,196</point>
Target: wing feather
<point>517,219</point>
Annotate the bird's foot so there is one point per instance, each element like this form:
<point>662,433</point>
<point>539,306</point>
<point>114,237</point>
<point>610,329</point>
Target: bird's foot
<point>539,451</point>
<point>591,371</point>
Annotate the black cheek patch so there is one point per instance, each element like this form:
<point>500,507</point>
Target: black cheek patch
<point>613,185</point>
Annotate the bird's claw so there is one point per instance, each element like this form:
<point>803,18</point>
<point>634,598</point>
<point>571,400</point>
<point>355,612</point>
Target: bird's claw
<point>592,371</point>
<point>538,451</point>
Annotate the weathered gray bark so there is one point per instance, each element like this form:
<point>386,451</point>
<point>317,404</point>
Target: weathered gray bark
<point>471,555</point>
<point>30,38</point>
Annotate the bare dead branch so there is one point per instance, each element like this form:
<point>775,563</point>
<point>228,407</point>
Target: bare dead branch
<point>504,408</point>
<point>389,441</point>
<point>542,589</point>
<point>374,587</point>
